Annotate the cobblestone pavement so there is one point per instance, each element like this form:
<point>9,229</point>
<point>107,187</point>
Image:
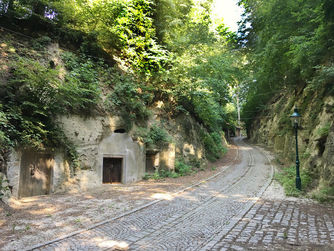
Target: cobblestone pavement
<point>223,213</point>
<point>282,225</point>
<point>189,220</point>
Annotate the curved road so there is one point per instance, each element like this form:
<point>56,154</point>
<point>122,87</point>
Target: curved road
<point>195,219</point>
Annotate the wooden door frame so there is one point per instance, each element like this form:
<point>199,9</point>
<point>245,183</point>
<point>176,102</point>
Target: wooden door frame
<point>123,168</point>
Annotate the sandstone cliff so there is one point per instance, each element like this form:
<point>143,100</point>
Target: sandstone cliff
<point>316,135</point>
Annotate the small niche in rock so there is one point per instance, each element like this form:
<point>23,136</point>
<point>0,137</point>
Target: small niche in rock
<point>120,131</point>
<point>321,145</point>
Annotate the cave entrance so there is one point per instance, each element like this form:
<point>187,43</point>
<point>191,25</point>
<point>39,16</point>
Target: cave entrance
<point>112,170</point>
<point>35,174</point>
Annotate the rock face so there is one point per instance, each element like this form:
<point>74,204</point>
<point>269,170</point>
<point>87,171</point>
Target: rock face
<point>316,135</point>
<point>104,137</point>
<point>106,154</point>
<point>96,140</point>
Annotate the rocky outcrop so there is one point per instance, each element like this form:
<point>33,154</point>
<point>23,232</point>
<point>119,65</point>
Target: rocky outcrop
<point>316,134</point>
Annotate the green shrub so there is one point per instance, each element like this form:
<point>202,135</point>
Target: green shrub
<point>324,194</point>
<point>161,174</point>
<point>324,131</point>
<point>181,168</point>
<point>153,137</point>
<point>128,98</point>
<point>194,162</point>
<point>81,90</point>
<point>41,42</point>
<point>287,177</point>
<point>157,136</point>
<point>33,96</point>
<point>212,144</point>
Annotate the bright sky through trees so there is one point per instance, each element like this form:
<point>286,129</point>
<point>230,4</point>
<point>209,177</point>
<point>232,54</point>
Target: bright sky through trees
<point>229,10</point>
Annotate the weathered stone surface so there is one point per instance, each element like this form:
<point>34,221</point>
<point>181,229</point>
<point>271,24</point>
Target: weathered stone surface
<point>316,146</point>
<point>95,139</point>
<point>4,188</point>
<point>167,157</point>
<point>13,171</point>
<point>304,225</point>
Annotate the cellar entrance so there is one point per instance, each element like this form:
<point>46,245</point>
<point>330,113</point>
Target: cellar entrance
<point>112,170</point>
<point>35,174</point>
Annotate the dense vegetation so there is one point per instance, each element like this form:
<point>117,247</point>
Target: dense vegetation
<point>290,62</point>
<point>125,55</point>
<point>122,57</point>
<point>290,47</point>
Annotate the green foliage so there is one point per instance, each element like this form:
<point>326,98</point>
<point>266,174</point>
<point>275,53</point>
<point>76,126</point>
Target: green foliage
<point>287,177</point>
<point>324,131</point>
<point>290,45</point>
<point>80,92</point>
<point>153,137</point>
<point>161,174</point>
<point>128,98</point>
<point>4,126</point>
<point>31,97</point>
<point>324,194</point>
<point>157,136</point>
<point>35,94</point>
<point>134,28</point>
<point>41,42</point>
<point>212,144</point>
<point>194,162</point>
<point>167,52</point>
<point>205,89</point>
<point>181,168</point>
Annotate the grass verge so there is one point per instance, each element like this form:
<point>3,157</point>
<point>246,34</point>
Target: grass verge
<point>287,177</point>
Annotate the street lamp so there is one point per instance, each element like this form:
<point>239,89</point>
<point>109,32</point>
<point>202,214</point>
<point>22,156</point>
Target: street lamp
<point>295,118</point>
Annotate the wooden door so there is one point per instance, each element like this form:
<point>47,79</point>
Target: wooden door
<point>35,174</point>
<point>112,170</point>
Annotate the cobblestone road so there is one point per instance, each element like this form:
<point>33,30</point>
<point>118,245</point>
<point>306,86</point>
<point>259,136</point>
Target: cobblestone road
<point>282,225</point>
<point>210,217</point>
<point>190,220</point>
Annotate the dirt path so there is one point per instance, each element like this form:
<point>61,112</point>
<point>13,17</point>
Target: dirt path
<point>39,219</point>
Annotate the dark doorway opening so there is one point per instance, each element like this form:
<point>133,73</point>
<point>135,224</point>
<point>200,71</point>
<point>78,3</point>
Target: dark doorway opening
<point>120,131</point>
<point>112,170</point>
<point>35,174</point>
<point>150,162</point>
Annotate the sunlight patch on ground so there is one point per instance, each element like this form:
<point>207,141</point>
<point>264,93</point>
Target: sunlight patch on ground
<point>242,198</point>
<point>102,243</point>
<point>48,210</point>
<point>245,148</point>
<point>222,196</point>
<point>162,196</point>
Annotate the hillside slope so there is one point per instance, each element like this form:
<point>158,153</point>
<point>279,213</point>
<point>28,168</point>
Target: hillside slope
<point>43,85</point>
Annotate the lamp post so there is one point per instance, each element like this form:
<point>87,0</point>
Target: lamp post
<point>295,117</point>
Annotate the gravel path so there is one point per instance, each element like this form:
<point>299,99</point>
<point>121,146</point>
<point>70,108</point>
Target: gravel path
<point>195,219</point>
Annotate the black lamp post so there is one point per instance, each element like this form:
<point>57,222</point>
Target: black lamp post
<point>295,117</point>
